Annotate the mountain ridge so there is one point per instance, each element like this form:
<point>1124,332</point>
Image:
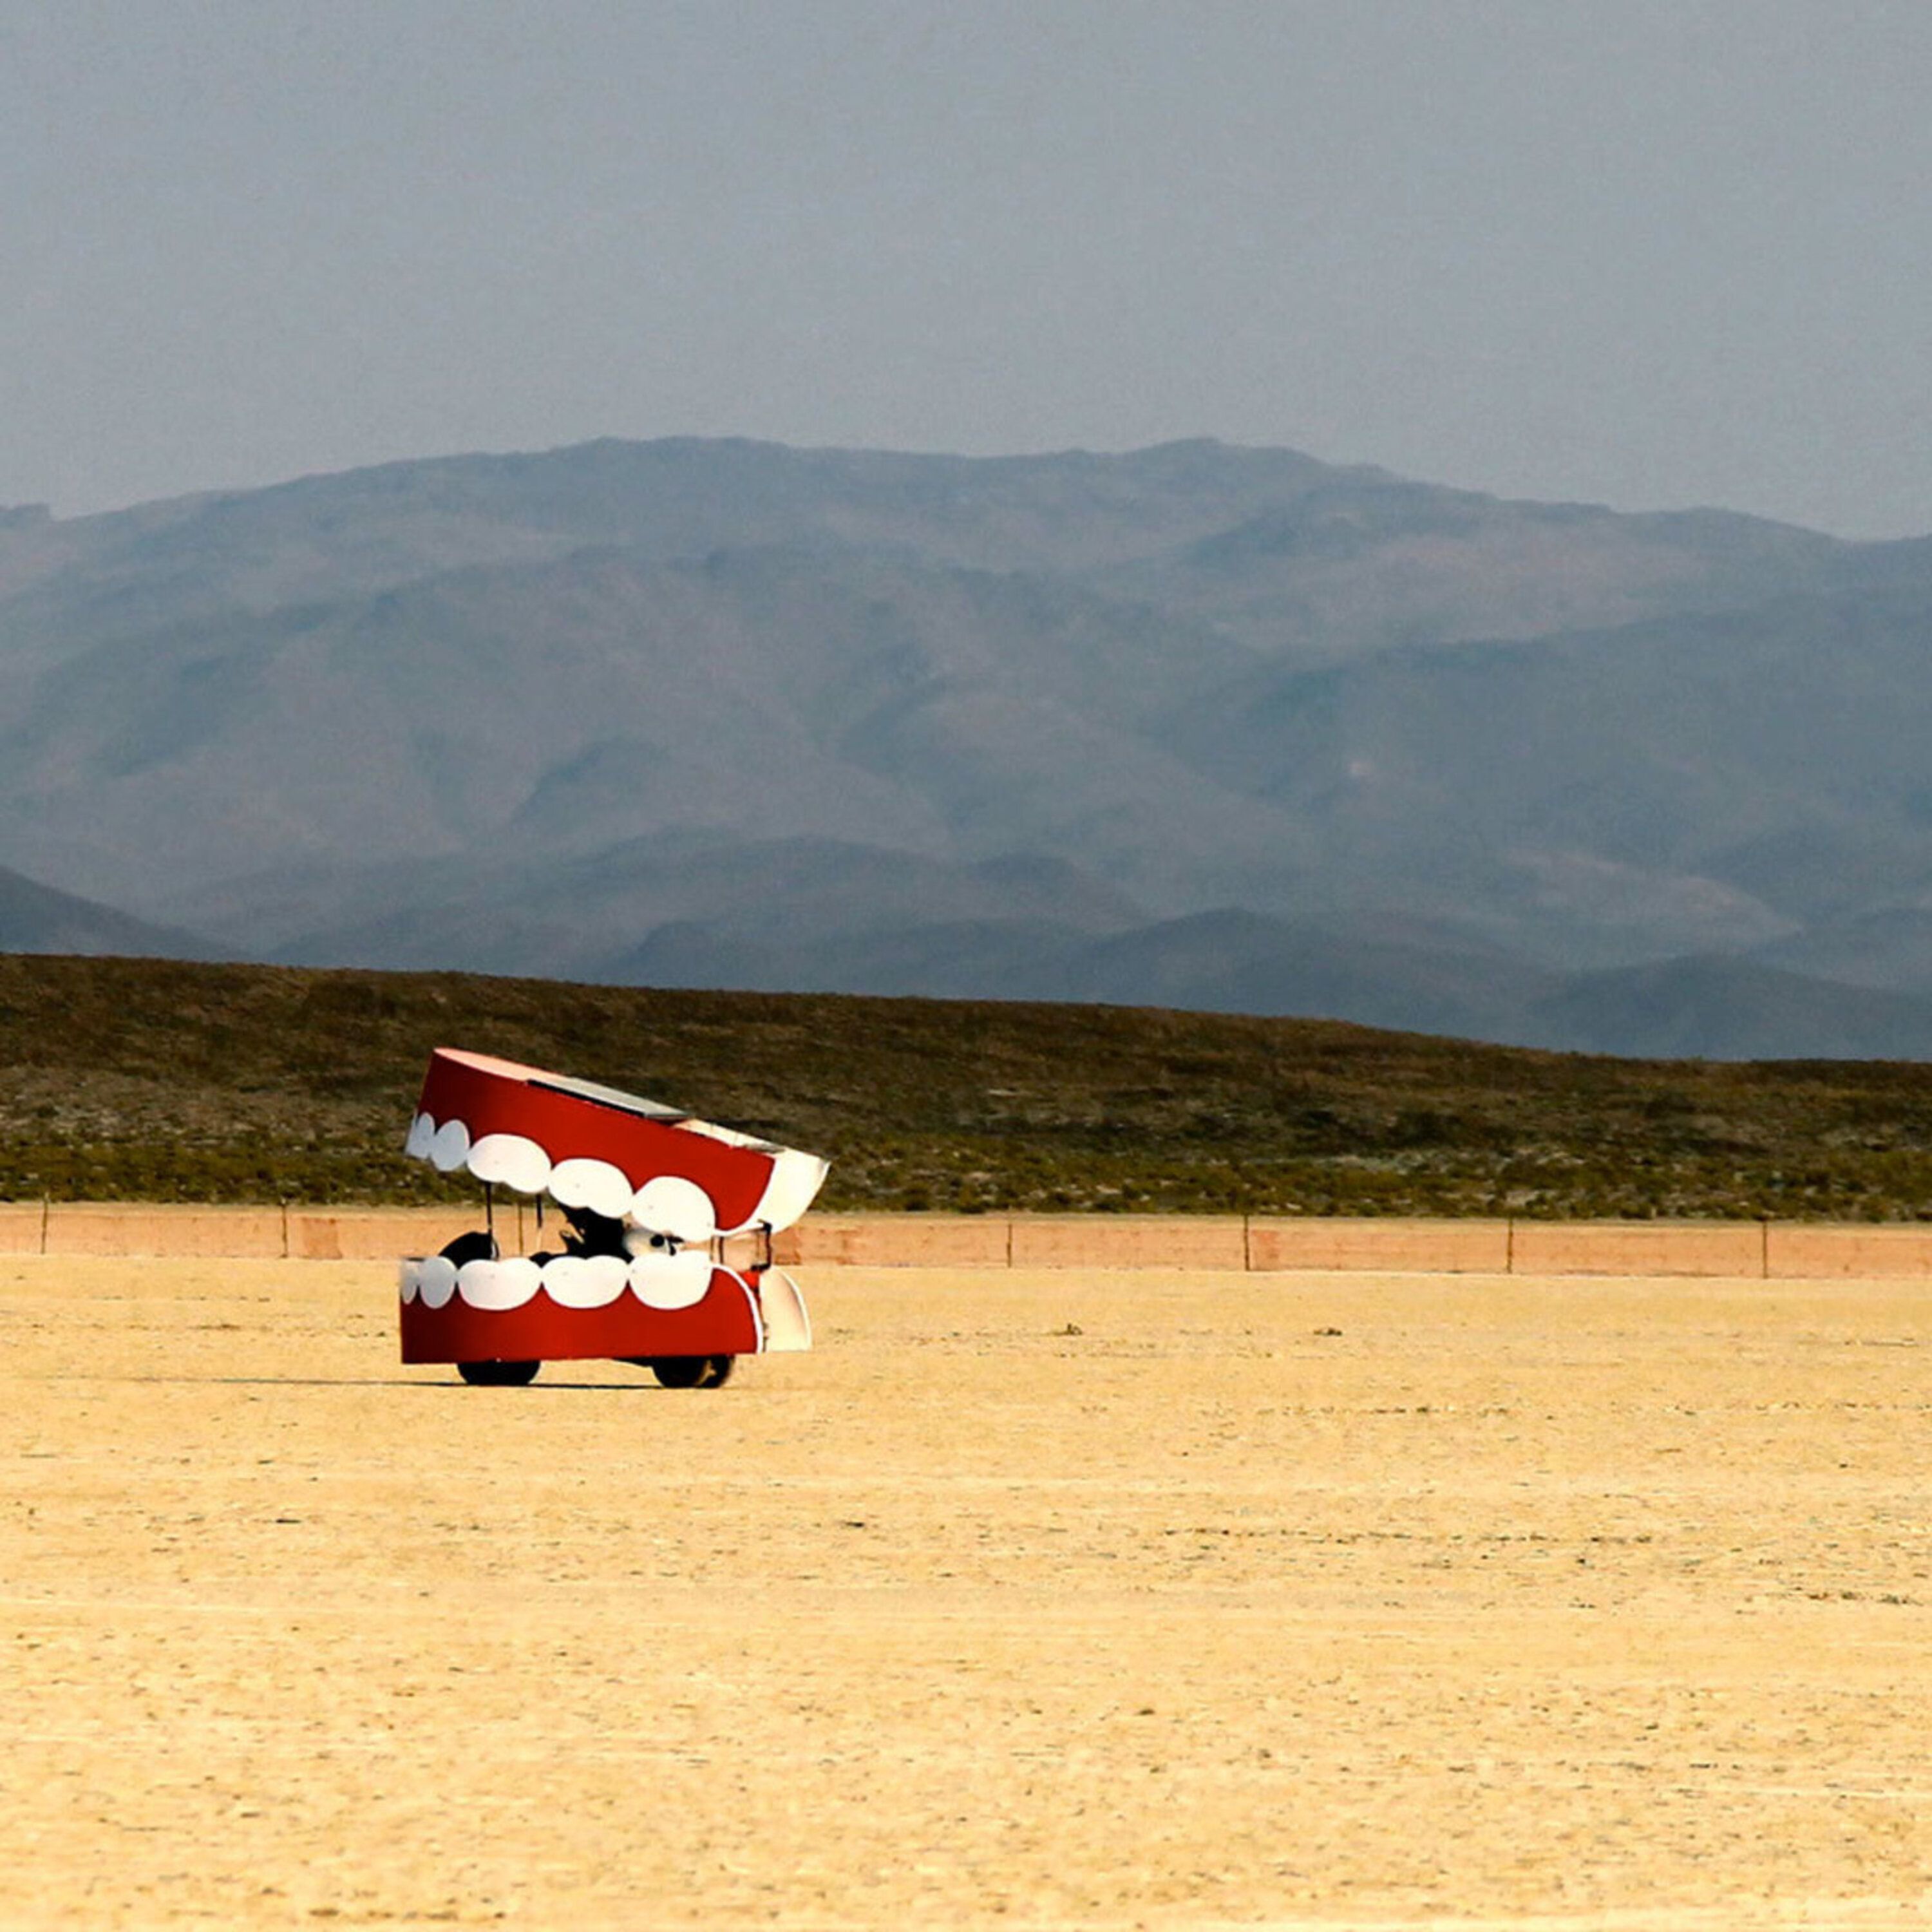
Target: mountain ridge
<point>39,919</point>
<point>484,690</point>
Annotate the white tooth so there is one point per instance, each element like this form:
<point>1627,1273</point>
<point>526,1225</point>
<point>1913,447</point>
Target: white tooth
<point>422,1131</point>
<point>671,1205</point>
<point>582,1281</point>
<point>409,1279</point>
<point>594,1184</point>
<point>498,1284</point>
<point>796,1179</point>
<point>671,1280</point>
<point>436,1281</point>
<point>512,1160</point>
<point>562,1280</point>
<point>787,1325</point>
<point>451,1146</point>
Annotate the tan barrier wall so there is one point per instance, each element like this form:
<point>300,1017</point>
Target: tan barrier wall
<point>381,1233</point>
<point>1859,1254</point>
<point>1773,1249</point>
<point>1396,1247</point>
<point>1129,1241</point>
<point>22,1227</point>
<point>1637,1247</point>
<point>898,1240</point>
<point>128,1228</point>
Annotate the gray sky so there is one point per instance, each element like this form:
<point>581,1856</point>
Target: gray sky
<point>1645,252</point>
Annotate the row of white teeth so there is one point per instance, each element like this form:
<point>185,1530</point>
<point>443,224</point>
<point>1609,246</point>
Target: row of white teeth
<point>667,1204</point>
<point>663,1280</point>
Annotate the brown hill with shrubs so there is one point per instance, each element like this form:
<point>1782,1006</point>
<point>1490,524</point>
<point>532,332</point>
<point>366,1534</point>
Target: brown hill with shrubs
<point>147,1079</point>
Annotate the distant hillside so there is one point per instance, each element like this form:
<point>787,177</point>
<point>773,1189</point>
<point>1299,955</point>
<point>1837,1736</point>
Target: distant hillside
<point>1197,724</point>
<point>144,1078</point>
<point>36,919</point>
<point>1731,1009</point>
<point>1233,961</point>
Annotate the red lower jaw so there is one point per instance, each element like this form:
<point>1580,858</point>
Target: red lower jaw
<point>725,1322</point>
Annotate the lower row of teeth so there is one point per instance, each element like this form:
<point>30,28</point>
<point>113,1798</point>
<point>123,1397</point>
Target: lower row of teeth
<point>665,1281</point>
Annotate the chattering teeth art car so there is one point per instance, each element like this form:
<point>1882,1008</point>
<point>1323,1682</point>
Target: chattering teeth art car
<point>664,1257</point>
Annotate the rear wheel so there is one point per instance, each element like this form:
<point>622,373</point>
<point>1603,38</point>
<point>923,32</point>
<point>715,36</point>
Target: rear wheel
<point>498,1375</point>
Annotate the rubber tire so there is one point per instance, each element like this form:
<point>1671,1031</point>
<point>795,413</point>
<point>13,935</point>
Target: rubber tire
<point>498,1375</point>
<point>685,1372</point>
<point>680,1372</point>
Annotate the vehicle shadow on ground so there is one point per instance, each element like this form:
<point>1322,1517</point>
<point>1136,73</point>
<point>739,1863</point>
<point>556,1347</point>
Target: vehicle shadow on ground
<point>645,1387</point>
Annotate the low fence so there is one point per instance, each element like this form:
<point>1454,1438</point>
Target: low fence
<point>1765,1249</point>
<point>1769,1249</point>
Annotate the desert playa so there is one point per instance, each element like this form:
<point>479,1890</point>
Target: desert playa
<point>1046,1597</point>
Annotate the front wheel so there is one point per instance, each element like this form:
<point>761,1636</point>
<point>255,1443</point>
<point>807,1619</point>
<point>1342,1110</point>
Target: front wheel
<point>683,1372</point>
<point>498,1375</point>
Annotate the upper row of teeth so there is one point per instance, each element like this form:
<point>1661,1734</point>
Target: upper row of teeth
<point>663,1281</point>
<point>667,1204</point>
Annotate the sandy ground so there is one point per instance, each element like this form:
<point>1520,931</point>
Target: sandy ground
<point>1298,1599</point>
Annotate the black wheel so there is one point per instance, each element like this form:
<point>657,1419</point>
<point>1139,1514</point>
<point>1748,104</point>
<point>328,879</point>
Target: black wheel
<point>498,1375</point>
<point>681,1371</point>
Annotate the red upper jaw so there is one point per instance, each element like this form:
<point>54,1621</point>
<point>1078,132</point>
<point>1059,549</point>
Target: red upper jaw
<point>593,1147</point>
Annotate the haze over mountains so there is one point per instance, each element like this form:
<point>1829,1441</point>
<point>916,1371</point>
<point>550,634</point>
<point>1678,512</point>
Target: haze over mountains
<point>1197,726</point>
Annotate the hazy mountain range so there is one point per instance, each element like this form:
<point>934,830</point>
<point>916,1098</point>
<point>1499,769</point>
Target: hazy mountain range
<point>1197,726</point>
